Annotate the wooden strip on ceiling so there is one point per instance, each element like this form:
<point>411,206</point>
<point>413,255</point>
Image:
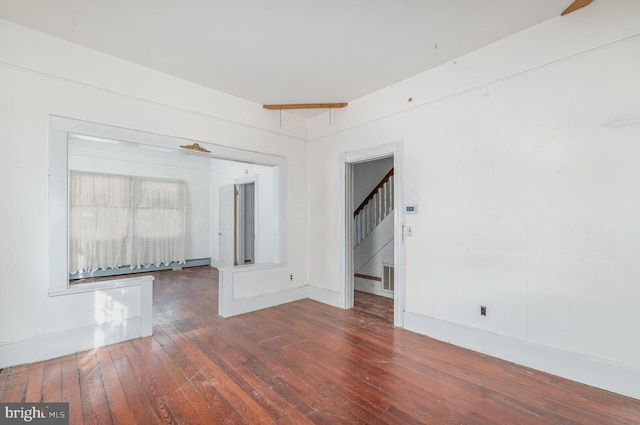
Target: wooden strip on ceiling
<point>306,106</point>
<point>577,4</point>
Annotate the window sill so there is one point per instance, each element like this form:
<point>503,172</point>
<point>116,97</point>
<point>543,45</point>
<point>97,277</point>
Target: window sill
<point>101,286</point>
<point>249,267</point>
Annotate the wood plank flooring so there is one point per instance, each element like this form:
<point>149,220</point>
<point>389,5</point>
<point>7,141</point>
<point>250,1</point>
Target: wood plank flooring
<point>373,305</point>
<point>300,363</point>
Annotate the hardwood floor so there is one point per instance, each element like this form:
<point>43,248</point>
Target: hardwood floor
<point>300,363</point>
<point>374,305</point>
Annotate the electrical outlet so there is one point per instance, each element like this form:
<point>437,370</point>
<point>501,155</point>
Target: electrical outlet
<point>483,310</point>
<point>291,276</point>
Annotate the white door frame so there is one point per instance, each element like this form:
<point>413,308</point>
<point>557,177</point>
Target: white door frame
<point>346,223</point>
<point>247,180</point>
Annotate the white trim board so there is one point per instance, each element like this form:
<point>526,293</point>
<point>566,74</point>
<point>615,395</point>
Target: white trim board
<point>103,285</point>
<point>324,296</point>
<point>246,305</point>
<point>577,367</point>
<point>229,306</point>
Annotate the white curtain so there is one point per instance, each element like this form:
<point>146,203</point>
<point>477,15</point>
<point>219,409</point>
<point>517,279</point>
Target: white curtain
<point>121,220</point>
<point>99,211</point>
<point>158,222</point>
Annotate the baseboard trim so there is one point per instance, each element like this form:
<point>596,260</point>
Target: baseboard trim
<point>44,347</point>
<point>370,286</point>
<point>259,302</point>
<point>325,296</point>
<point>229,306</point>
<point>127,270</point>
<point>618,378</point>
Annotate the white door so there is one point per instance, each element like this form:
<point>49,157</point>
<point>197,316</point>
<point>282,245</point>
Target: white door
<point>227,225</point>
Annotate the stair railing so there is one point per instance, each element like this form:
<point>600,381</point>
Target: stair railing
<point>375,207</point>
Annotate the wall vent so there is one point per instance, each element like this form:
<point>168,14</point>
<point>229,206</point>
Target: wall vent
<point>387,278</point>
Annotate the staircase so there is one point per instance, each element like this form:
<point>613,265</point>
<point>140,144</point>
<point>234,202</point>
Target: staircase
<point>374,209</point>
<point>373,238</point>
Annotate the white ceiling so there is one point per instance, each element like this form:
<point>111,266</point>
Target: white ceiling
<point>284,51</point>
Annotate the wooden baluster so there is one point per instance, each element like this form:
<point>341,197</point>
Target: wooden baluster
<point>389,196</point>
<point>372,217</point>
<point>378,208</point>
<point>385,190</point>
<point>365,224</point>
<point>375,211</point>
<point>380,205</point>
<point>370,210</point>
<point>382,201</point>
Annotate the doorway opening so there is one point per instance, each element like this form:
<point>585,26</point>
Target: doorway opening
<point>237,223</point>
<point>373,239</point>
<point>245,225</point>
<point>373,224</point>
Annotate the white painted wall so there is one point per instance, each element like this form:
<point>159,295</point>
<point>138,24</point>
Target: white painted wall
<point>529,194</point>
<point>42,76</point>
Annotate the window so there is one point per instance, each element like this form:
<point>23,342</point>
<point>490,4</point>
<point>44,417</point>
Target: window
<point>117,220</point>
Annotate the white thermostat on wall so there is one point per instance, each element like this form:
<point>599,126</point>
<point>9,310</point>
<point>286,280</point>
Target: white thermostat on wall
<point>411,208</point>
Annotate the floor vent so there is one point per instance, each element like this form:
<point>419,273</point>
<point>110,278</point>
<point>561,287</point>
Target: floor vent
<point>387,278</point>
